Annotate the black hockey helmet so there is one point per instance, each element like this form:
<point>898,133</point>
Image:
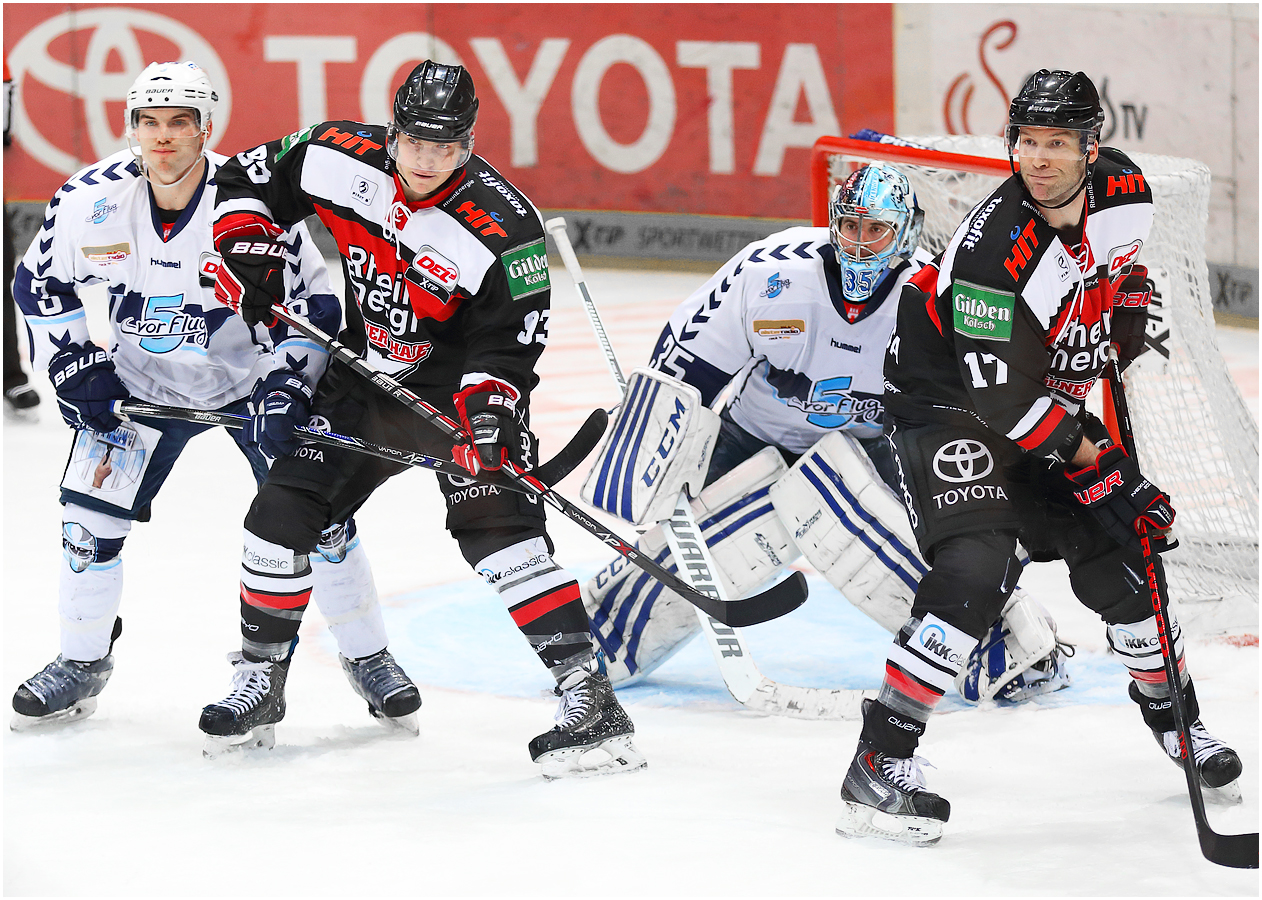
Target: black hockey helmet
<point>436,103</point>
<point>1057,99</point>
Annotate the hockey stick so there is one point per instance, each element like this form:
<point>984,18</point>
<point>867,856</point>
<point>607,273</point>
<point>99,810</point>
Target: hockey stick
<point>740,673</point>
<point>1239,851</point>
<point>555,469</point>
<point>772,603</point>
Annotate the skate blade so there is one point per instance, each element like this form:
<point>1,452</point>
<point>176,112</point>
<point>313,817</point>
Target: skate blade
<point>860,820</point>
<point>62,717</point>
<point>1227,795</point>
<point>263,737</point>
<point>401,724</point>
<point>608,757</point>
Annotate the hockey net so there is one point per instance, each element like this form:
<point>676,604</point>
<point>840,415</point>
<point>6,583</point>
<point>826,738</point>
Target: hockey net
<point>1195,436</point>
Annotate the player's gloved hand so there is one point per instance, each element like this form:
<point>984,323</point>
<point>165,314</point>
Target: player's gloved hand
<point>252,275</point>
<point>280,403</point>
<point>1129,319</point>
<point>488,412</point>
<point>86,385</point>
<point>1123,500</point>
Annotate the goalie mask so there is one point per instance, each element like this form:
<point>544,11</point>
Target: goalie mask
<point>435,108</point>
<point>872,194</point>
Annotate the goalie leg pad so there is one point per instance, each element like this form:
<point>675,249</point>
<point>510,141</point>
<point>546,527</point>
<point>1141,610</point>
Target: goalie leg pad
<point>639,623</point>
<point>1019,657</point>
<point>346,595</point>
<point>852,528</point>
<point>90,587</point>
<point>658,444</point>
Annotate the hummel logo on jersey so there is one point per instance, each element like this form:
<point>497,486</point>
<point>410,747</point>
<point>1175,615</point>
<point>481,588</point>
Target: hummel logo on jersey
<point>842,345</point>
<point>165,263</point>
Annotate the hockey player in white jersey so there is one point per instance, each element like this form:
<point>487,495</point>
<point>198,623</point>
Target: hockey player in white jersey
<point>798,324</point>
<point>139,221</point>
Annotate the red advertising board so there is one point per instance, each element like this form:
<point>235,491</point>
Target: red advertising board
<point>690,108</point>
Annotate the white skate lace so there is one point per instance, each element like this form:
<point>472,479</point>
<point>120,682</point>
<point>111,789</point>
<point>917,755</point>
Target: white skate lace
<point>573,703</point>
<point>905,774</point>
<point>1204,744</point>
<point>250,684</point>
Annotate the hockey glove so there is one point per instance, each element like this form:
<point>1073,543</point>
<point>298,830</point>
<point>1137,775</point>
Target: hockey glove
<point>252,275</point>
<point>280,403</point>
<point>488,412</point>
<point>1123,500</point>
<point>86,385</point>
<point>1130,315</point>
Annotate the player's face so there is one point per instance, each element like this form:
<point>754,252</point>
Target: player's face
<point>425,166</point>
<point>863,238</point>
<point>1052,163</point>
<point>170,141</point>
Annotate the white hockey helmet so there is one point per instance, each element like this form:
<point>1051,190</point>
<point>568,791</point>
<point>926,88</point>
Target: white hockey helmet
<point>172,84</point>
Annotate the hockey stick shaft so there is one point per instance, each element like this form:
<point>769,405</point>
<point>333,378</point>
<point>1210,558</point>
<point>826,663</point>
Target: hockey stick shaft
<point>1239,851</point>
<point>770,604</point>
<point>556,227</point>
<point>583,442</point>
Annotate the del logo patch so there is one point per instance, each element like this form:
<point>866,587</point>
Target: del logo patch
<point>981,312</point>
<point>527,269</point>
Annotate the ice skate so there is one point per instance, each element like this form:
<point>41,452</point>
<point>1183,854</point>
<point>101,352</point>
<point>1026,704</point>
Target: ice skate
<point>392,697</point>
<point>64,691</point>
<point>21,403</point>
<point>1218,765</point>
<point>593,735</point>
<point>247,717</point>
<point>884,796</point>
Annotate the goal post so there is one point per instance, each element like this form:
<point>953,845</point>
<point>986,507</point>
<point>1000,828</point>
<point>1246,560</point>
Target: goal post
<point>1196,437</point>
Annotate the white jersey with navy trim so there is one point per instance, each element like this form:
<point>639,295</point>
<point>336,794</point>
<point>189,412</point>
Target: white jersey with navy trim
<point>171,341</point>
<point>773,315</point>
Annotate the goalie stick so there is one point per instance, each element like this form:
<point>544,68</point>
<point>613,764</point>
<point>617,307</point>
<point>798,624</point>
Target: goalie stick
<point>741,675</point>
<point>1238,851</point>
<point>555,469</point>
<point>772,603</point>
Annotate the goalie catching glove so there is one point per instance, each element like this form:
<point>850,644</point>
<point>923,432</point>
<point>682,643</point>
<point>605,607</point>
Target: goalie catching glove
<point>251,277</point>
<point>86,385</point>
<point>488,412</point>
<point>1123,500</point>
<point>280,403</point>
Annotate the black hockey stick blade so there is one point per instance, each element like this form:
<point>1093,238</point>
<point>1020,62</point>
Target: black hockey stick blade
<point>1236,851</point>
<point>577,450</point>
<point>780,599</point>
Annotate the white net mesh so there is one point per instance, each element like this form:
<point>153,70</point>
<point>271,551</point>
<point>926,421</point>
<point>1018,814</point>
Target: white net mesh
<point>1196,437</point>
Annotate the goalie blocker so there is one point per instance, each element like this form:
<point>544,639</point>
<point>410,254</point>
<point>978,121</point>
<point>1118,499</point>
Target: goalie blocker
<point>831,507</point>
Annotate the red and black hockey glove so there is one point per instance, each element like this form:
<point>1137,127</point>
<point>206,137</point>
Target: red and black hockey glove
<point>252,275</point>
<point>86,386</point>
<point>1129,320</point>
<point>1123,500</point>
<point>488,412</point>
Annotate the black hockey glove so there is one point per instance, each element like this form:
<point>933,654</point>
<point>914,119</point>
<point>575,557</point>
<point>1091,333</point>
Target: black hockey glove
<point>1130,315</point>
<point>488,412</point>
<point>280,403</point>
<point>252,275</point>
<point>1123,500</point>
<point>86,385</point>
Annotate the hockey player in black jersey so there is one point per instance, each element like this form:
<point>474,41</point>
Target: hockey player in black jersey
<point>447,291</point>
<point>993,354</point>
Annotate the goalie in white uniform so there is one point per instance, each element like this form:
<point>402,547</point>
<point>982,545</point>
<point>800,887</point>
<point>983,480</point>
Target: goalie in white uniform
<point>798,324</point>
<point>139,222</point>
